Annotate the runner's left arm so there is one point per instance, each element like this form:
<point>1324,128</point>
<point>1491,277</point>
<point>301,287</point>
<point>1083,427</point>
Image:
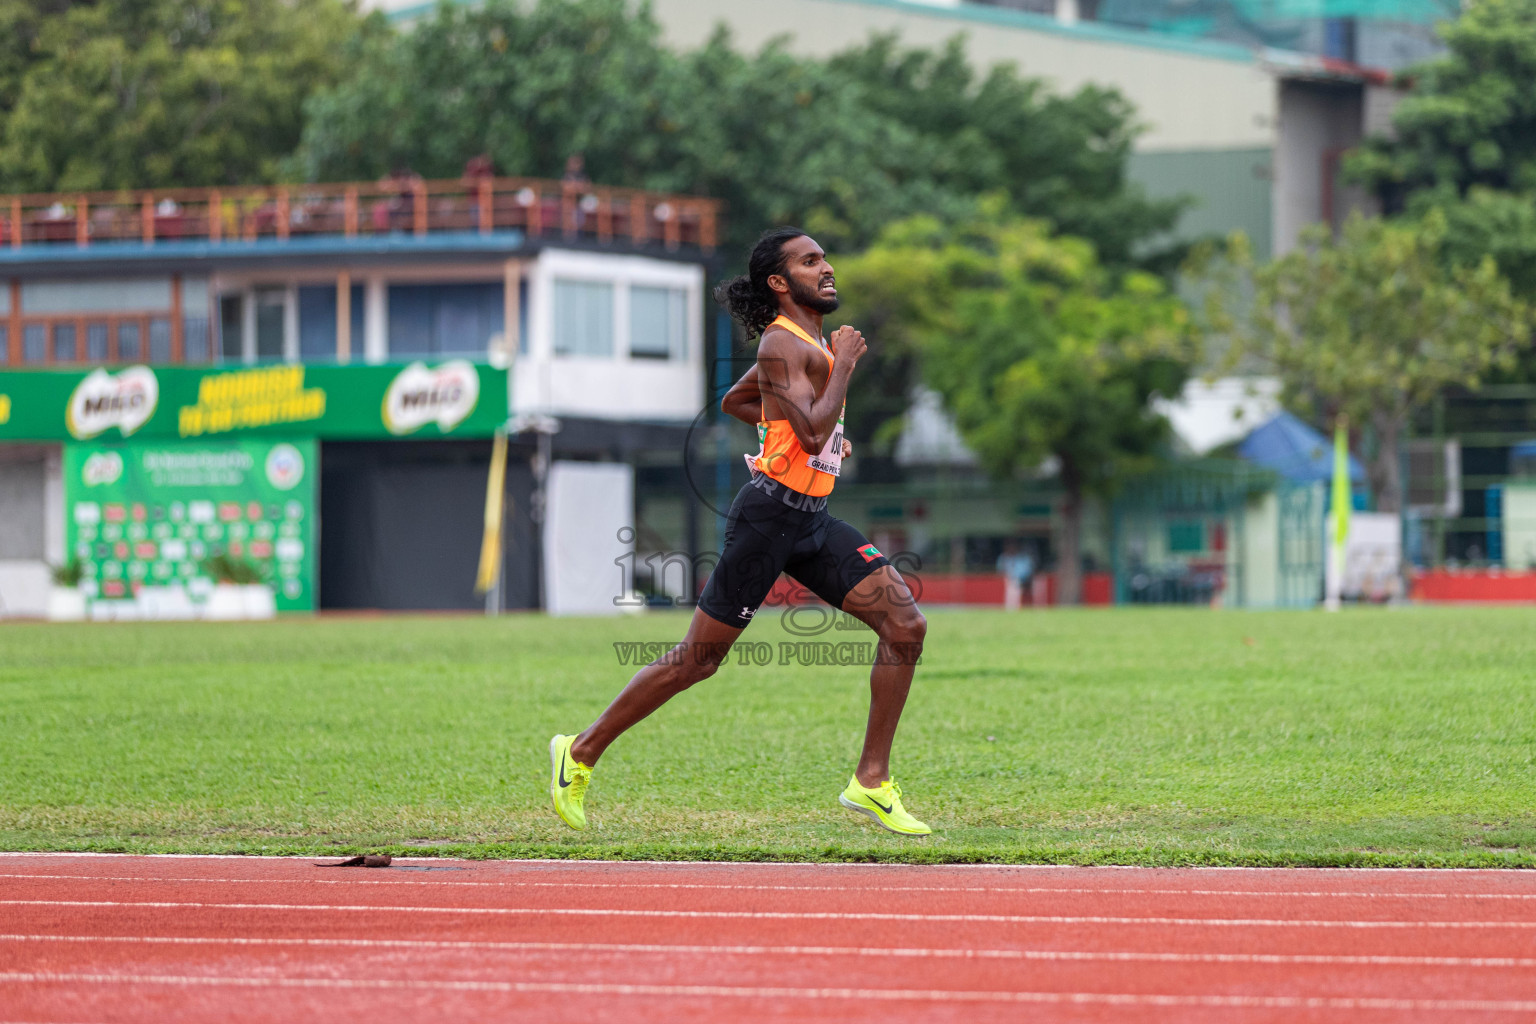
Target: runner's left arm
<point>744,401</point>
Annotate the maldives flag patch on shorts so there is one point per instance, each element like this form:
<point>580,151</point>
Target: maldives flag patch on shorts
<point>870,552</point>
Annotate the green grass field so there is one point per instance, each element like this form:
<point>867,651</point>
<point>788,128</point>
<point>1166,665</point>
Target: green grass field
<point>1375,736</point>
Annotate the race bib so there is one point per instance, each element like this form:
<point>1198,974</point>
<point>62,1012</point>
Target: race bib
<point>830,459</point>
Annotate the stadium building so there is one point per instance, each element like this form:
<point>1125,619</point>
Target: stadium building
<point>304,382</point>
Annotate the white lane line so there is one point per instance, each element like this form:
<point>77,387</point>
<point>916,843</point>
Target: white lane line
<point>1045,955</point>
<point>729,887</point>
<point>558,862</point>
<point>777,992</point>
<point>775,915</point>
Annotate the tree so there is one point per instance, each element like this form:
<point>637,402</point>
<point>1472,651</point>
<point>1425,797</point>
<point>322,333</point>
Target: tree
<point>1058,158</point>
<point>1039,351</point>
<point>21,21</point>
<point>1464,141</point>
<point>133,93</point>
<point>527,86</point>
<point>1470,119</point>
<point>841,146</point>
<point>1375,324</point>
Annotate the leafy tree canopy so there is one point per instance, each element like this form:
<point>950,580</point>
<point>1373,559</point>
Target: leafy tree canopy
<point>1373,325</point>
<point>842,146</point>
<point>21,22</point>
<point>125,93</point>
<point>1039,351</point>
<point>1464,141</point>
<point>1470,119</point>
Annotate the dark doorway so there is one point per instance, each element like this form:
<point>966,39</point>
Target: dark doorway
<point>401,525</point>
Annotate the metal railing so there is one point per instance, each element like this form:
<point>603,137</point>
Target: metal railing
<point>408,205</point>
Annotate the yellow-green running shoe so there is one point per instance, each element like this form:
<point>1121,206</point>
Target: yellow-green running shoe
<point>568,780</point>
<point>884,805</point>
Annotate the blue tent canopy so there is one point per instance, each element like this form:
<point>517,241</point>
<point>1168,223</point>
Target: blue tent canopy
<point>1298,453</point>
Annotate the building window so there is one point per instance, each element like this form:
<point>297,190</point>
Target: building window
<point>130,347</point>
<point>317,321</point>
<point>5,343</point>
<point>194,336</point>
<point>522,315</point>
<point>63,343</point>
<point>1186,537</point>
<point>444,319</point>
<point>34,343</point>
<point>271,311</point>
<point>583,318</point>
<point>658,327</point>
<point>96,343</point>
<point>159,340</point>
<point>231,329</point>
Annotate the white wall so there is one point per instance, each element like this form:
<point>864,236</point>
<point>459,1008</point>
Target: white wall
<point>152,294</point>
<point>617,387</point>
<point>25,579</point>
<point>1317,122</point>
<point>1208,415</point>
<point>1260,553</point>
<point>1187,100</point>
<point>1190,96</point>
<point>1519,525</point>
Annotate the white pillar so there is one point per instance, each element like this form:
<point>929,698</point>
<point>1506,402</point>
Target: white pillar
<point>1066,12</point>
<point>375,320</point>
<point>291,323</point>
<point>344,317</point>
<point>247,326</point>
<point>511,308</point>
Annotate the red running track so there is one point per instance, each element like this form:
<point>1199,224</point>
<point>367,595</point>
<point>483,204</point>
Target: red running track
<point>181,939</point>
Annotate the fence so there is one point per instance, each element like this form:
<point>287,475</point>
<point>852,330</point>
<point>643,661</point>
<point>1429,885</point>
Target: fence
<point>541,208</point>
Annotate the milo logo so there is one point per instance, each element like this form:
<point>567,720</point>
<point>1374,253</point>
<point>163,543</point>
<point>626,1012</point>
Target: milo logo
<point>420,394</point>
<point>125,400</point>
<point>102,468</point>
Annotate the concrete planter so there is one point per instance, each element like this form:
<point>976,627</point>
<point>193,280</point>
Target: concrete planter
<point>259,601</point>
<point>225,604</point>
<point>233,601</point>
<point>66,604</point>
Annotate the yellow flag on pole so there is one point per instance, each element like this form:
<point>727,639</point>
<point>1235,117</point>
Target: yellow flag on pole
<point>495,494</point>
<point>1342,501</point>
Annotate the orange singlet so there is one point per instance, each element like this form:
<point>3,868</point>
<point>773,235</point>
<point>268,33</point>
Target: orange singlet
<point>782,458</point>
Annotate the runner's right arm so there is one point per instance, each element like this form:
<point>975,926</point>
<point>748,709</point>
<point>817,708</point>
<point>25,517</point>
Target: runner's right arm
<point>744,401</point>
<point>784,382</point>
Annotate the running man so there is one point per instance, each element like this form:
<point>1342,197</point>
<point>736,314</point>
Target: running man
<point>794,395</point>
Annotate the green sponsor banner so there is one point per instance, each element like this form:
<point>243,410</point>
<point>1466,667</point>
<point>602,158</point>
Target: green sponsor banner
<point>449,398</point>
<point>142,519</point>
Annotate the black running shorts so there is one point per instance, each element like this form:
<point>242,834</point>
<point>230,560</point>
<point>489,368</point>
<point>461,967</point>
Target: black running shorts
<point>772,529</point>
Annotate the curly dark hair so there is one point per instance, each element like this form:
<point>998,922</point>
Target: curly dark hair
<point>748,298</point>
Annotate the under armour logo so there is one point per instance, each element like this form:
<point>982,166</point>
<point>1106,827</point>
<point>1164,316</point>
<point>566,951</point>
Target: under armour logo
<point>747,613</point>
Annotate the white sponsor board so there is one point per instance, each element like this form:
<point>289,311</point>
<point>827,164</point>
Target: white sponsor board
<point>1373,553</point>
<point>588,531</point>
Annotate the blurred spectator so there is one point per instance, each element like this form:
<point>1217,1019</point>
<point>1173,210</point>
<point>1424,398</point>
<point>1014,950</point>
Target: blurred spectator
<point>479,173</point>
<point>395,212</point>
<point>575,181</point>
<point>576,170</point>
<point>478,169</point>
<point>1018,569</point>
